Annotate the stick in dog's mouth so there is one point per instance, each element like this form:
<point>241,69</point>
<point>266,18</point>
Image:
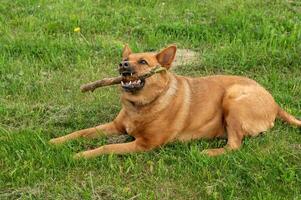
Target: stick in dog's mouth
<point>129,82</point>
<point>132,83</point>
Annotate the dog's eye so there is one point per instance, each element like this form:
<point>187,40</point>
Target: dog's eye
<point>142,62</point>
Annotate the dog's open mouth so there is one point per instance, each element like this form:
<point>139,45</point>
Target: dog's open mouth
<point>131,82</point>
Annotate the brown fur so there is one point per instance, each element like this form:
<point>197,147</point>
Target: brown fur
<point>172,107</point>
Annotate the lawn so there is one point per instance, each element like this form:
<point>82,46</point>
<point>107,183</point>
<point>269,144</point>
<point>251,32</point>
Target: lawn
<point>43,62</point>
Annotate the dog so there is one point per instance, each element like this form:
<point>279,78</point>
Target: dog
<point>166,107</point>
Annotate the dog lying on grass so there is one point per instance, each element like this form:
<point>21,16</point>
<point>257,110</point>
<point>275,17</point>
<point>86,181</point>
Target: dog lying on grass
<point>167,107</point>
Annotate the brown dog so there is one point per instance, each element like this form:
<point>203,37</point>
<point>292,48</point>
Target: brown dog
<point>167,107</point>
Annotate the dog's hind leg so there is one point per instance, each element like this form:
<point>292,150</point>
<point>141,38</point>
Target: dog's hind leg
<point>248,110</point>
<point>235,136</point>
<point>101,130</point>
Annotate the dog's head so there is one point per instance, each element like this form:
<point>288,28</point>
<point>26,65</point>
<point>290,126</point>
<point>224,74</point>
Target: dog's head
<point>136,64</point>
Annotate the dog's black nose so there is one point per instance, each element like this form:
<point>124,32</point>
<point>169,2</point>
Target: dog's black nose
<point>125,68</point>
<point>124,65</point>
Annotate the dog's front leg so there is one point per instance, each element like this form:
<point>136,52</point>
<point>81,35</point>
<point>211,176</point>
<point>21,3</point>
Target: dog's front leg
<point>123,148</point>
<point>104,129</point>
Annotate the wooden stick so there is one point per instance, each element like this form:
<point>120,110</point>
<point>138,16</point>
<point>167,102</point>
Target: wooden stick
<point>116,80</point>
<point>100,83</point>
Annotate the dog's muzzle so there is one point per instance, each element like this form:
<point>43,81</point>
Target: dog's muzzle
<point>130,80</point>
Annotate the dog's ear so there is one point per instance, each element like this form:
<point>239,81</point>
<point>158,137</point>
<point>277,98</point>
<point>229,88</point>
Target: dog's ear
<point>126,51</point>
<point>166,56</point>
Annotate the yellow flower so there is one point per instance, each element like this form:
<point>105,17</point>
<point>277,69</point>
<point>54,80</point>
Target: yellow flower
<point>77,30</point>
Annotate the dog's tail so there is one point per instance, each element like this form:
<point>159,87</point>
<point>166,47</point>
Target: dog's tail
<point>288,118</point>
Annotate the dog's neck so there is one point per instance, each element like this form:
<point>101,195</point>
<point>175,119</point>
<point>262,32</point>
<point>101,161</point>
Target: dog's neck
<point>143,100</point>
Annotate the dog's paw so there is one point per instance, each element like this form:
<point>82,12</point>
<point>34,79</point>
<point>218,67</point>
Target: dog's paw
<point>78,156</point>
<point>213,152</point>
<point>55,141</point>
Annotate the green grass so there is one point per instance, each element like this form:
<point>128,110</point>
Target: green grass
<point>43,62</point>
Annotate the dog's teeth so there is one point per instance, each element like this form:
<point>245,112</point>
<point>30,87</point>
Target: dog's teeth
<point>130,82</point>
<point>139,81</point>
<point>122,83</point>
<point>131,74</point>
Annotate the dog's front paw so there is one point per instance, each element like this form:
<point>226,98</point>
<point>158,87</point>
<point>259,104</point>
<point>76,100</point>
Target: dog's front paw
<point>56,141</point>
<point>213,152</point>
<point>78,156</point>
